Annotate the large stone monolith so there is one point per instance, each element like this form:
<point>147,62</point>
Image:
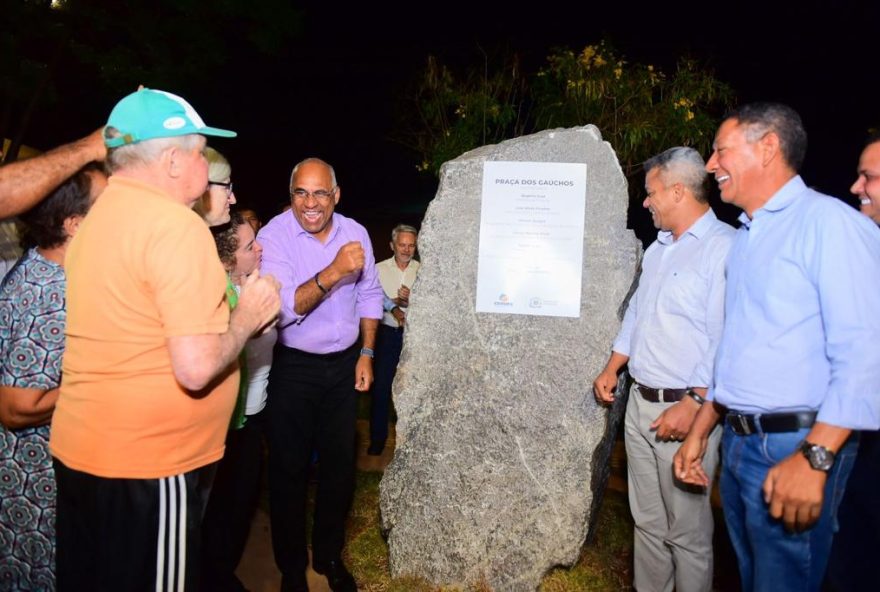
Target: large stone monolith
<point>501,448</point>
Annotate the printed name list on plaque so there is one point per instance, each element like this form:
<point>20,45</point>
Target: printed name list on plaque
<point>531,238</point>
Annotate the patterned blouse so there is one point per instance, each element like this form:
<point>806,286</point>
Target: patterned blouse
<point>32,318</point>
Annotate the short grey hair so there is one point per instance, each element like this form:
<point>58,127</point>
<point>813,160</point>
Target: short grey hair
<point>681,165</point>
<point>146,152</point>
<point>312,160</point>
<point>403,228</point>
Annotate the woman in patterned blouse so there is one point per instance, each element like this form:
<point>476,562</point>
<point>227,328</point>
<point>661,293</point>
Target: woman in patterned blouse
<point>32,318</point>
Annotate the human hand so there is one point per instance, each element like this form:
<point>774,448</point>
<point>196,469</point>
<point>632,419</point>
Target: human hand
<point>794,491</point>
<point>403,296</point>
<point>349,259</point>
<point>604,386</point>
<point>398,315</point>
<point>675,422</point>
<point>363,374</point>
<point>94,144</point>
<point>260,301</point>
<point>688,461</point>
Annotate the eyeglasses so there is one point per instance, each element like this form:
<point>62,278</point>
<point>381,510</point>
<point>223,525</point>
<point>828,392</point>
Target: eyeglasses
<point>227,186</point>
<point>321,194</point>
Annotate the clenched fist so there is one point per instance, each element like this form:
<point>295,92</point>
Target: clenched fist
<point>260,300</point>
<point>349,259</point>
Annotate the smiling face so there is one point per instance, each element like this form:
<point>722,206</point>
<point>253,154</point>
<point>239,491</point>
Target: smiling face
<point>867,185</point>
<point>660,200</point>
<point>404,248</point>
<point>736,165</point>
<point>314,214</point>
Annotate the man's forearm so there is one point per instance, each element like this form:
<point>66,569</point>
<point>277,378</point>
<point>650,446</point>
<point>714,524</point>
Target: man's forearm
<point>368,333</point>
<point>198,359</point>
<point>309,294</point>
<point>707,418</point>
<point>616,362</point>
<point>24,183</point>
<point>828,436</point>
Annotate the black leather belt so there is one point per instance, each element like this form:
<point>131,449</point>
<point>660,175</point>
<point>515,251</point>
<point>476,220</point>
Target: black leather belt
<point>666,395</point>
<point>744,424</point>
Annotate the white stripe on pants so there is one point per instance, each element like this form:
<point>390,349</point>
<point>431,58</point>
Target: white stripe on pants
<point>172,535</point>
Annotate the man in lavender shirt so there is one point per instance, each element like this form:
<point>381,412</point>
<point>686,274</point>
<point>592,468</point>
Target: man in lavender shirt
<point>331,303</point>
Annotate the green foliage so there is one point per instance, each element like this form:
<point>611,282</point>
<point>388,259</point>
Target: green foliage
<point>639,109</point>
<point>453,114</point>
<point>101,48</point>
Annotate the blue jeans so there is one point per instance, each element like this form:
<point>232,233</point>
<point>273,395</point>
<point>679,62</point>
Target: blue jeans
<point>771,558</point>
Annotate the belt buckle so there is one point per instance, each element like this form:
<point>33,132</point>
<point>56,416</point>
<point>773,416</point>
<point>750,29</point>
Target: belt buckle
<point>743,424</point>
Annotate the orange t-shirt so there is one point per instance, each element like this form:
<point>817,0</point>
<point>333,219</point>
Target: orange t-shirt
<point>141,268</point>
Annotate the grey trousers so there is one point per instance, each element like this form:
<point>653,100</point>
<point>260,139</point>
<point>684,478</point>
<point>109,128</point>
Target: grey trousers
<point>673,522</point>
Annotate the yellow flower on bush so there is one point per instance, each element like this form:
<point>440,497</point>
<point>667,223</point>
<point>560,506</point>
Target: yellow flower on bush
<point>587,55</point>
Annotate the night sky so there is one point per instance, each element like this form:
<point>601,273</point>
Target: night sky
<point>331,92</point>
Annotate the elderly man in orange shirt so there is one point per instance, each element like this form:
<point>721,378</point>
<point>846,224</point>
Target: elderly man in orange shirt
<point>150,370</point>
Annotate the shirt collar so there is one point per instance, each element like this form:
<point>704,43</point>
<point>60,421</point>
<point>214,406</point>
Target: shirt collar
<point>784,197</point>
<point>298,230</point>
<point>698,229</point>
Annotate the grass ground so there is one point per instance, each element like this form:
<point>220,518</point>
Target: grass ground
<point>604,563</point>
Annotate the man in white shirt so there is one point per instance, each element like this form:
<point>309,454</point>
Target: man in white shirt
<point>396,274</point>
<point>668,338</point>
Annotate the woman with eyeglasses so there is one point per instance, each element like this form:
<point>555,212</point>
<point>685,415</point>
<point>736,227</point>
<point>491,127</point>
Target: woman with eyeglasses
<point>236,485</point>
<point>32,319</point>
<point>214,204</point>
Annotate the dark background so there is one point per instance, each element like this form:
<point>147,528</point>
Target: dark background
<point>334,87</point>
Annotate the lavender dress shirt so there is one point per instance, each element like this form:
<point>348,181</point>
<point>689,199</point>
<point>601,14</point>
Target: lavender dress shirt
<point>294,256</point>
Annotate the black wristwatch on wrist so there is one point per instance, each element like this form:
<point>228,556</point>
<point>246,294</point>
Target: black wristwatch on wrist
<point>695,396</point>
<point>821,458</point>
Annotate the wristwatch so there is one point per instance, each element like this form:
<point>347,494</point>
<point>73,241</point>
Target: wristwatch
<point>821,458</point>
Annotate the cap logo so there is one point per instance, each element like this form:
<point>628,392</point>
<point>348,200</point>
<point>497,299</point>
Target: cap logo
<point>187,108</point>
<point>173,123</point>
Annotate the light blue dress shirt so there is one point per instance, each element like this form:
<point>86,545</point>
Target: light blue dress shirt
<point>802,328</point>
<point>674,319</point>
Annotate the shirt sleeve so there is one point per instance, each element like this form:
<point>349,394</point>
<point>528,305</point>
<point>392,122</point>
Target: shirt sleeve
<point>277,262</point>
<point>369,291</point>
<point>622,342</point>
<point>33,335</point>
<point>846,269</point>
<point>715,264</point>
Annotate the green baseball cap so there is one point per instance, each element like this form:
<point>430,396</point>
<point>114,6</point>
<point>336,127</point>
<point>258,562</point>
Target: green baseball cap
<point>148,114</point>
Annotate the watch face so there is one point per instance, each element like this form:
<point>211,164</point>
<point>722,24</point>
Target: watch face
<point>820,457</point>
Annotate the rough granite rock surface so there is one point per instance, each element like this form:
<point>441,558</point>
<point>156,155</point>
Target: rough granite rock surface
<point>501,448</point>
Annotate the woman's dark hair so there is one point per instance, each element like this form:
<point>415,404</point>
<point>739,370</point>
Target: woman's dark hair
<point>43,225</point>
<point>226,238</point>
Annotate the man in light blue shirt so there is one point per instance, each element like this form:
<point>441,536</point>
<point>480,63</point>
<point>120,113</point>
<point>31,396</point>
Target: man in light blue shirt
<point>851,566</point>
<point>668,338</point>
<point>797,369</point>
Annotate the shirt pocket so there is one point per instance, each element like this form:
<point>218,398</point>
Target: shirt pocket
<point>684,294</point>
